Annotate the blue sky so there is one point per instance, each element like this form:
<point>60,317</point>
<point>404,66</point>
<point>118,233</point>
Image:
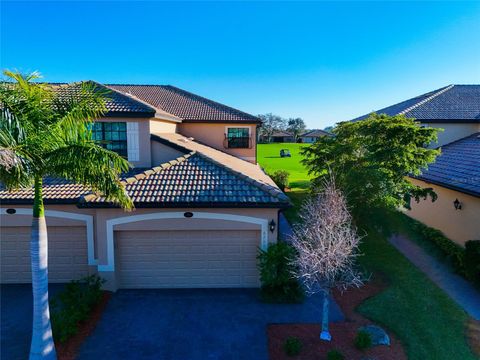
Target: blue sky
<point>322,61</point>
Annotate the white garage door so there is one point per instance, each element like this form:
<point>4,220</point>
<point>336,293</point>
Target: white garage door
<point>188,259</point>
<point>67,254</point>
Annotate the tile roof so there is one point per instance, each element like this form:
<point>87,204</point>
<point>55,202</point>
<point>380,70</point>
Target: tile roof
<point>458,166</point>
<point>183,104</point>
<point>192,180</point>
<point>280,133</point>
<point>316,133</point>
<point>118,104</point>
<point>453,103</point>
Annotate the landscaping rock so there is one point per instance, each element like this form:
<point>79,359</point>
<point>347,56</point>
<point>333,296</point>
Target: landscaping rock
<point>377,334</point>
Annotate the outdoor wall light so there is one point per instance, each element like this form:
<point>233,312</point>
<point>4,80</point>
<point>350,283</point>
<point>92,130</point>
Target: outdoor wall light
<point>272,225</point>
<point>188,214</point>
<point>457,204</point>
<point>11,211</point>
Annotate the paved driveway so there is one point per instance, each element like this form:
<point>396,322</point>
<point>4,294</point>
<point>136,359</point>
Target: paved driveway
<point>165,324</point>
<point>16,319</point>
<point>191,324</point>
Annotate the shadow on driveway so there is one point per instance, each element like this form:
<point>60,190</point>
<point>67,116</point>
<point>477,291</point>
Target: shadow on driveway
<point>192,324</point>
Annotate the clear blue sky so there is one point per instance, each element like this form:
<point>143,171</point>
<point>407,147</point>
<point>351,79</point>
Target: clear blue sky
<point>322,61</point>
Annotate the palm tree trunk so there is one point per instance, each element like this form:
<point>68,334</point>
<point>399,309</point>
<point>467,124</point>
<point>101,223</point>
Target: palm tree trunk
<point>42,346</point>
<point>325,334</point>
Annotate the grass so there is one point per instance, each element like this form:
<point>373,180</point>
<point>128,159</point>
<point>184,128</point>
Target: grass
<point>425,319</point>
<point>268,156</point>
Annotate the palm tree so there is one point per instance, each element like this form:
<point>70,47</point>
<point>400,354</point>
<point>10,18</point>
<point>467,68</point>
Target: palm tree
<point>48,133</point>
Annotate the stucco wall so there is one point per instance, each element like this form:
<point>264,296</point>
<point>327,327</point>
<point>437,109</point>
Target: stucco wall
<point>162,153</point>
<point>163,126</point>
<point>214,136</point>
<point>453,131</point>
<point>457,225</point>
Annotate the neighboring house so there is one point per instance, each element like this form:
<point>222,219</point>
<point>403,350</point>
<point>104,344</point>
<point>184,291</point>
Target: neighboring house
<point>203,205</point>
<point>282,136</point>
<point>311,136</point>
<point>455,175</point>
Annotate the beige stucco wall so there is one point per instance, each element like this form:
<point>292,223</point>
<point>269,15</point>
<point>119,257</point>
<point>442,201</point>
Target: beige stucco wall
<point>143,139</point>
<point>162,153</point>
<point>163,126</point>
<point>214,136</point>
<point>453,131</point>
<point>457,225</point>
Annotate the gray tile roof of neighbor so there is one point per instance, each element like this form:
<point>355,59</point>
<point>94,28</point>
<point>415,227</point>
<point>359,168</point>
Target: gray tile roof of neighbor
<point>184,104</point>
<point>316,133</point>
<point>458,166</point>
<point>452,103</point>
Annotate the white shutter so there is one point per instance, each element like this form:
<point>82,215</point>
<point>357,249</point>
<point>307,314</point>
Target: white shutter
<point>132,142</point>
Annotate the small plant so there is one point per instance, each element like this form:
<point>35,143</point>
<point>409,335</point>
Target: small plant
<point>335,355</point>
<point>73,305</point>
<point>472,261</point>
<point>363,340</point>
<point>276,275</point>
<point>280,177</point>
<point>292,346</point>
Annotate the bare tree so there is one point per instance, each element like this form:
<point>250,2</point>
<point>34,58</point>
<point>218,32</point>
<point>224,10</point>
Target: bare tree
<point>327,246</point>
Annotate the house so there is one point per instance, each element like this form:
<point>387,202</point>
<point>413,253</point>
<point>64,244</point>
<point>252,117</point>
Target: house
<point>203,205</point>
<point>455,175</point>
<point>282,136</point>
<point>311,136</point>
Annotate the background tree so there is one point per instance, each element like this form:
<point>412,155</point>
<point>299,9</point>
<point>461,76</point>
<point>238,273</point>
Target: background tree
<point>270,124</point>
<point>296,127</point>
<point>327,246</point>
<point>371,158</point>
<point>47,133</point>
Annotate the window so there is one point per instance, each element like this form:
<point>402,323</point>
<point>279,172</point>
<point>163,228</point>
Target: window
<point>111,136</point>
<point>238,138</point>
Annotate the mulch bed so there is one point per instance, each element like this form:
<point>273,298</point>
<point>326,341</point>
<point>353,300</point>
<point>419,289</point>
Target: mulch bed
<point>343,333</point>
<point>69,349</point>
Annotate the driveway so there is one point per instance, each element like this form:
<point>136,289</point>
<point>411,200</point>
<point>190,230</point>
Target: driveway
<point>192,324</point>
<point>16,319</point>
<point>165,324</point>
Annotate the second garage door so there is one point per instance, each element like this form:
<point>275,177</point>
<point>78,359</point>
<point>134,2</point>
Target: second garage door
<point>188,259</point>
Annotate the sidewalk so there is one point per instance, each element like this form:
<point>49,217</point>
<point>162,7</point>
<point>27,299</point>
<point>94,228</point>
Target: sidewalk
<point>459,289</point>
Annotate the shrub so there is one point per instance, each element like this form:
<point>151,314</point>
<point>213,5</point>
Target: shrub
<point>292,346</point>
<point>472,261</point>
<point>276,275</point>
<point>335,355</point>
<point>280,177</point>
<point>363,340</point>
<point>454,252</point>
<point>73,305</point>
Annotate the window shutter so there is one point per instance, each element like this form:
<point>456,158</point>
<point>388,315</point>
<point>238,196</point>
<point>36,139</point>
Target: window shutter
<point>132,141</point>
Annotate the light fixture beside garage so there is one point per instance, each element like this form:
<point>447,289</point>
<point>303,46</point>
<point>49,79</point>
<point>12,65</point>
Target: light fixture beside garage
<point>188,214</point>
<point>11,211</point>
<point>457,204</point>
<point>272,225</point>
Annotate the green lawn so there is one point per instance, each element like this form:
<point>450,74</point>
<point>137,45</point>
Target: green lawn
<point>429,324</point>
<point>268,156</point>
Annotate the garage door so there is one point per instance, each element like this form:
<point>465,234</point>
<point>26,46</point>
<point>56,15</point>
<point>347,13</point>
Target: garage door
<point>173,259</point>
<point>67,254</point>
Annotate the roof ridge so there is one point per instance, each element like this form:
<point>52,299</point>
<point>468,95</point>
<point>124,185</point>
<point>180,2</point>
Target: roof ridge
<point>434,95</point>
<point>157,169</point>
<point>264,187</point>
<point>213,102</point>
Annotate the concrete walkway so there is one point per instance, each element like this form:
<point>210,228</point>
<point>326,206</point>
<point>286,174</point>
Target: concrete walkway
<point>459,289</point>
